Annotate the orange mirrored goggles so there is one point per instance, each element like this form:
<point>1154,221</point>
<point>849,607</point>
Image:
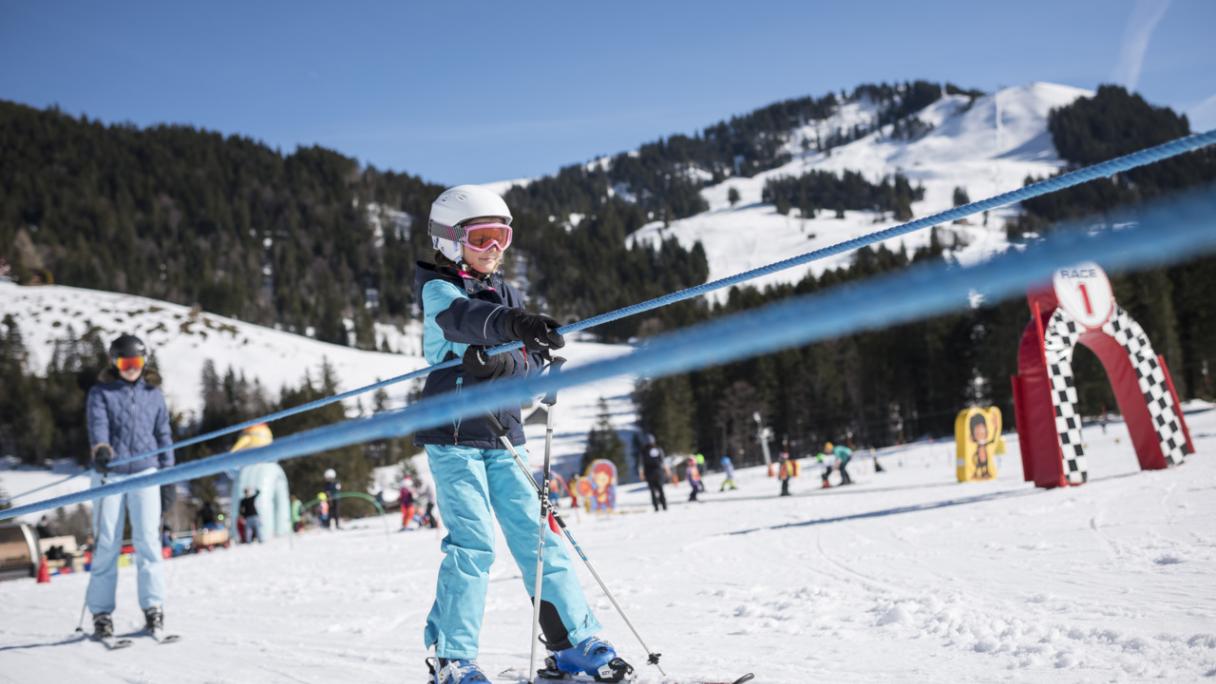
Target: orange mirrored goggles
<point>482,236</point>
<point>126,363</point>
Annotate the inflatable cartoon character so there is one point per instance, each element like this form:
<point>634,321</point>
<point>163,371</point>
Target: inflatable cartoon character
<point>602,476</point>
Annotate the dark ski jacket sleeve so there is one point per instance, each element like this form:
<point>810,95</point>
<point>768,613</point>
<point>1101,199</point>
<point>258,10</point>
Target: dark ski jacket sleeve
<point>458,311</point>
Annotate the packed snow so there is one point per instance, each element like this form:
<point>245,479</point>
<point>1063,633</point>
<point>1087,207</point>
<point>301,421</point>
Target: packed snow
<point>987,147</point>
<point>904,576</point>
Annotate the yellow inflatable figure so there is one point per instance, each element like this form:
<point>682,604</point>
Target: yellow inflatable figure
<point>253,437</point>
<point>977,440</point>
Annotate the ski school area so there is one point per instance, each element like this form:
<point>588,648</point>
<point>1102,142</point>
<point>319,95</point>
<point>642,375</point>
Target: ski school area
<point>906,575</point>
<point>1082,552</point>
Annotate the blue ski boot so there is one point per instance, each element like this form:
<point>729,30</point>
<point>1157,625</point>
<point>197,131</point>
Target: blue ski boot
<point>593,656</point>
<point>444,671</point>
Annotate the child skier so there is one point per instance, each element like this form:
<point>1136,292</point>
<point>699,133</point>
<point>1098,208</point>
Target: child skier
<point>728,467</point>
<point>467,307</point>
<point>843,456</point>
<point>405,497</point>
<point>785,473</point>
<point>694,478</point>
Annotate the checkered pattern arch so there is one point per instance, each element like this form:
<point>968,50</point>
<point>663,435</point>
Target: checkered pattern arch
<point>1059,339</point>
<point>1151,376</point>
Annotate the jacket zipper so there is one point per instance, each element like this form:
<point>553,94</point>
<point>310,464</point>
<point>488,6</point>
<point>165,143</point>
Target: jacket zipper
<point>456,430</point>
<point>131,423</point>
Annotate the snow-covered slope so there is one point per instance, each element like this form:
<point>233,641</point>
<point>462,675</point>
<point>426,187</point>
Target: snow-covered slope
<point>183,340</point>
<point>987,147</point>
<point>905,576</point>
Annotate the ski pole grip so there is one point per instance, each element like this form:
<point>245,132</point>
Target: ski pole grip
<point>555,367</point>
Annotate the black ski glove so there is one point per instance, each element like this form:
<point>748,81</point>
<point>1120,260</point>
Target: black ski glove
<point>480,365</point>
<point>538,332</point>
<point>102,455</point>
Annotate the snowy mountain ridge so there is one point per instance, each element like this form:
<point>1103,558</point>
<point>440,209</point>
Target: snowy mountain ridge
<point>984,145</point>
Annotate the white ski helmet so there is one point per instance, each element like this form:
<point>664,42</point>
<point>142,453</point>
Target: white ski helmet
<point>457,205</point>
<point>330,474</point>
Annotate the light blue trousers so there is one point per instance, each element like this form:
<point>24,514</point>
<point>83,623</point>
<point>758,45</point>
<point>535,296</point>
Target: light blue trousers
<point>108,515</point>
<point>473,486</point>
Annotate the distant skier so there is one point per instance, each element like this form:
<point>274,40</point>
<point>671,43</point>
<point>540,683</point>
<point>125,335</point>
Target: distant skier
<point>693,473</point>
<point>424,498</point>
<point>785,472</point>
<point>843,455</point>
<point>297,513</point>
<point>332,489</point>
<point>728,467</point>
<point>468,307</point>
<point>825,461</point>
<point>126,415</point>
<point>323,510</point>
<point>405,497</point>
<point>249,511</point>
<point>654,471</point>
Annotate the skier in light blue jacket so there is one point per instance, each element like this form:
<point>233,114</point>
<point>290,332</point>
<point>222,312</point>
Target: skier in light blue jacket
<point>126,415</point>
<point>467,307</point>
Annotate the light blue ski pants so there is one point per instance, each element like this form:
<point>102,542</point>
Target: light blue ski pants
<point>470,483</point>
<point>108,515</point>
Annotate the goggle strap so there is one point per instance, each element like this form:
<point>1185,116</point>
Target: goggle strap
<point>439,230</point>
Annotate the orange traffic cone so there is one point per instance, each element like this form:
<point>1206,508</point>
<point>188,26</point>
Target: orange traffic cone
<point>44,572</point>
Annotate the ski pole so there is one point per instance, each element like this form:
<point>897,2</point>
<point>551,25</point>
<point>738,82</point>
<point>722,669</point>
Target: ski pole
<point>550,399</point>
<point>652,658</point>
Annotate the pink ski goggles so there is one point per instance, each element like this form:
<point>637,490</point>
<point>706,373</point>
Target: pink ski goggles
<point>482,236</point>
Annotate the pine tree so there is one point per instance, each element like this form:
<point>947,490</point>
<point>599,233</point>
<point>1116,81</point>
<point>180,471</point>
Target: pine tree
<point>603,442</point>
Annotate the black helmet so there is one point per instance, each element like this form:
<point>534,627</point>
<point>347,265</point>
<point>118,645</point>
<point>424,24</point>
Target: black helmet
<point>127,346</point>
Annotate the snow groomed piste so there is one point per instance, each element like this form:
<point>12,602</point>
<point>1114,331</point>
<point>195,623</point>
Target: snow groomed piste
<point>1163,233</point>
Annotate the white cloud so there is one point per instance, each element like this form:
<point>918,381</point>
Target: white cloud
<point>1140,26</point>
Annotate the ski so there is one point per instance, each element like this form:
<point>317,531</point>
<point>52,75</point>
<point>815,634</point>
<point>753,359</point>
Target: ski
<point>156,635</point>
<point>163,639</point>
<point>112,643</point>
<point>522,678</point>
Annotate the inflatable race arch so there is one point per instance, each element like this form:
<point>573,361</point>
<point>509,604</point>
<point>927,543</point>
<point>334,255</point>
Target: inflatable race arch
<point>1080,307</point>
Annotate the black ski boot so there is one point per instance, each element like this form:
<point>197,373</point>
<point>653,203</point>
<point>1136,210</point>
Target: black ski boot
<point>154,620</point>
<point>103,626</point>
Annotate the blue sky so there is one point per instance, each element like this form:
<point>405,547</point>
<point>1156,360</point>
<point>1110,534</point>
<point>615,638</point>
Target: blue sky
<point>479,91</point>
